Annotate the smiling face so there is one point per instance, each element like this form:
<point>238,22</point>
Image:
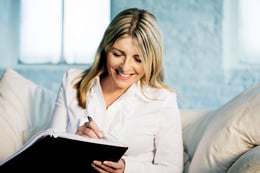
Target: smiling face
<point>124,64</point>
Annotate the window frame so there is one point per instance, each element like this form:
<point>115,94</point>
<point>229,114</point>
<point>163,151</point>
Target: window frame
<point>11,24</point>
<point>232,60</point>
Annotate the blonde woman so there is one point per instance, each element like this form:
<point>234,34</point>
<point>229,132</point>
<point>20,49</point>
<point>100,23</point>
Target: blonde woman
<point>125,94</point>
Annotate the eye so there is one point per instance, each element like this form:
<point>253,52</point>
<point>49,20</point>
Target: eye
<point>116,53</point>
<point>138,59</point>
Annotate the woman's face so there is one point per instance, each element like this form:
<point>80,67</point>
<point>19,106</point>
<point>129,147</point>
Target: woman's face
<point>124,64</point>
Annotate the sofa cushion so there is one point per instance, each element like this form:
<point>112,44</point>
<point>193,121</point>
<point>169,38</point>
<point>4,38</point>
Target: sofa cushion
<point>248,162</point>
<point>194,122</point>
<point>25,108</point>
<point>232,130</point>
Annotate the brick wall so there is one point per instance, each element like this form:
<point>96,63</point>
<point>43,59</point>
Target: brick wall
<point>193,53</point>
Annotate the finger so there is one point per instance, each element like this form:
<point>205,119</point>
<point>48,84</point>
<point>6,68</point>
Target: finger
<point>99,166</point>
<point>98,169</point>
<point>115,165</point>
<point>79,130</point>
<point>93,125</point>
<point>85,131</point>
<point>89,133</point>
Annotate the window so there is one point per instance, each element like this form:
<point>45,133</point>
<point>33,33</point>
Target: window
<point>61,31</point>
<point>249,30</point>
<point>241,38</point>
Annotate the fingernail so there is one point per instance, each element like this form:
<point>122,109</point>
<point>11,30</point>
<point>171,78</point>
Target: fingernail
<point>100,134</point>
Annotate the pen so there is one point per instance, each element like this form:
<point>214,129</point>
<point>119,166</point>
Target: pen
<point>100,134</point>
<point>90,118</point>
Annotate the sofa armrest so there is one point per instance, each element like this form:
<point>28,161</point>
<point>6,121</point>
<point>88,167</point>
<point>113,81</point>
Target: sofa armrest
<point>249,162</point>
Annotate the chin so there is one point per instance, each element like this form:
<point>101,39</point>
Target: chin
<point>123,85</point>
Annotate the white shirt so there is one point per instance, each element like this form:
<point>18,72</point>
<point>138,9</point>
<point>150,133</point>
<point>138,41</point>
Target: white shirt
<point>150,126</point>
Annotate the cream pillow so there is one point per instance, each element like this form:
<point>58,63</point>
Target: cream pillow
<point>233,130</point>
<point>194,123</point>
<point>24,109</point>
<point>248,162</point>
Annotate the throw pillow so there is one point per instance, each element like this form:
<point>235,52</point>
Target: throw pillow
<point>233,130</point>
<point>25,108</point>
<point>248,162</point>
<point>194,123</point>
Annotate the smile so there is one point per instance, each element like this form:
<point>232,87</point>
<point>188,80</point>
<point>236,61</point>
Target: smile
<point>123,75</point>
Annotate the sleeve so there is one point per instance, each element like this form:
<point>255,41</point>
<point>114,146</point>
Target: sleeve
<point>168,145</point>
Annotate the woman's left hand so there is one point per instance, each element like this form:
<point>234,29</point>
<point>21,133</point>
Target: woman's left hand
<point>109,167</point>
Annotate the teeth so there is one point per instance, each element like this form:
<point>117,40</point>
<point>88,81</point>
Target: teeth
<point>123,75</point>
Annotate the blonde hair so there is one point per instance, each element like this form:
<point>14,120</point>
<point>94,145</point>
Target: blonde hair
<point>143,27</point>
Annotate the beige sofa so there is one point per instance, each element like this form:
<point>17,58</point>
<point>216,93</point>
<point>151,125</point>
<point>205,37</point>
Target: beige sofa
<point>225,140</point>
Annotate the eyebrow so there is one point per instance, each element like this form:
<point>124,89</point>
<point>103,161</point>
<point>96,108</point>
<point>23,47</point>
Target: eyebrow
<point>122,51</point>
<point>114,48</point>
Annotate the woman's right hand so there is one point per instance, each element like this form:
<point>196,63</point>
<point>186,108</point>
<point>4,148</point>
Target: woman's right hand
<point>90,129</point>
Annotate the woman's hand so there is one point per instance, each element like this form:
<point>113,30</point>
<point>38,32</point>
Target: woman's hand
<point>109,167</point>
<point>90,129</point>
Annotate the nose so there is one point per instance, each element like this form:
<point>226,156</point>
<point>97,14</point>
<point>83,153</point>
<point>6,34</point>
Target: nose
<point>127,63</point>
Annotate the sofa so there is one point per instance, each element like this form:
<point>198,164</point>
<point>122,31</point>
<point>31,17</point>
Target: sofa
<point>224,140</point>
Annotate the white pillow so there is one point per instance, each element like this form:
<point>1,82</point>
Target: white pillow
<point>25,108</point>
<point>233,130</point>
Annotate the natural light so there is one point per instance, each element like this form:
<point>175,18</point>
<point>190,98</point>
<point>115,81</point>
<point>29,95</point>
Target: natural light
<point>249,30</point>
<point>61,31</point>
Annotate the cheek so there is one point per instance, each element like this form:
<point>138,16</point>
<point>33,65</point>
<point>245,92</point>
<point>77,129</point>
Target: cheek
<point>140,70</point>
<point>113,60</point>
<point>110,62</point>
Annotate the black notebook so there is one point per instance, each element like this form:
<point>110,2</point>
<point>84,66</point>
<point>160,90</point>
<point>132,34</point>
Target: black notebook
<point>54,151</point>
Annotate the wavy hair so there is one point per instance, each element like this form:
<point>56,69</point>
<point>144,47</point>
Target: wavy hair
<point>144,29</point>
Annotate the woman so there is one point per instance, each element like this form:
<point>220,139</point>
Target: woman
<point>123,91</point>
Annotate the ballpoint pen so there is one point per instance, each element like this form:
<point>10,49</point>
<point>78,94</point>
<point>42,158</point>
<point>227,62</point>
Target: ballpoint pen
<point>90,118</point>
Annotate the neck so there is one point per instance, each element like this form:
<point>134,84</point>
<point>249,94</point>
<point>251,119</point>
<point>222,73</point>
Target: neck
<point>110,92</point>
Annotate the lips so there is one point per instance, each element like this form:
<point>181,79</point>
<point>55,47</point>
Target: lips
<point>122,75</point>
